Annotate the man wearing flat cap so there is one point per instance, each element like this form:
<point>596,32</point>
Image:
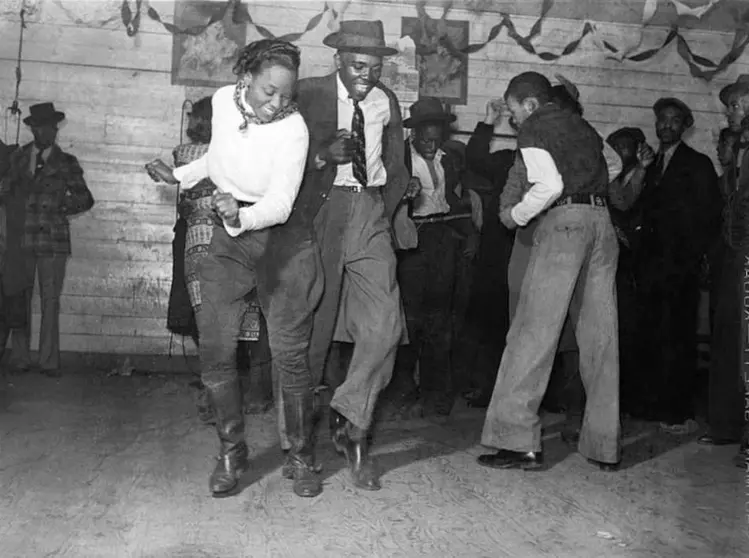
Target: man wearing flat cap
<point>47,186</point>
<point>429,274</point>
<point>355,180</point>
<point>677,212</point>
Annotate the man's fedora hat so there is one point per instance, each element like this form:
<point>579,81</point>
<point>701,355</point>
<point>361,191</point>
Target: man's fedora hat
<point>363,37</point>
<point>664,102</point>
<point>43,113</point>
<point>740,86</point>
<point>427,109</point>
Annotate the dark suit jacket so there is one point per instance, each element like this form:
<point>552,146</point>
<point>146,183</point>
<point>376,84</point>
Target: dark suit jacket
<point>318,103</point>
<point>678,213</point>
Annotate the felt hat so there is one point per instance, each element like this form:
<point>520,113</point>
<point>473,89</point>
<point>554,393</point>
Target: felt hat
<point>741,86</point>
<point>569,86</point>
<point>665,102</point>
<point>427,109</point>
<point>43,113</point>
<point>635,134</point>
<point>364,37</point>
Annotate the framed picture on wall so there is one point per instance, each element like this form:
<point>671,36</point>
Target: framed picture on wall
<point>205,58</point>
<point>443,69</point>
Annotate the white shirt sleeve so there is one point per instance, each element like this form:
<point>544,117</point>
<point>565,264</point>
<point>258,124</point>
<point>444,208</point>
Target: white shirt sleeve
<point>613,161</point>
<point>547,185</point>
<point>190,174</point>
<point>275,206</point>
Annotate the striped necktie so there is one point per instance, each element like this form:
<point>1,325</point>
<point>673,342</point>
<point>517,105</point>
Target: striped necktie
<point>359,161</point>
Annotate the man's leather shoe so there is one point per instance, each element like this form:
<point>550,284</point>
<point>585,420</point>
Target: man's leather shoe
<point>708,440</point>
<point>51,372</point>
<point>606,467</point>
<point>231,465</point>
<point>508,459</point>
<point>356,450</point>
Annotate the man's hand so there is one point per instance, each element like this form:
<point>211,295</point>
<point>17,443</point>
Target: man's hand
<point>493,112</point>
<point>340,150</point>
<point>505,216</point>
<point>413,189</point>
<point>227,208</point>
<point>645,155</point>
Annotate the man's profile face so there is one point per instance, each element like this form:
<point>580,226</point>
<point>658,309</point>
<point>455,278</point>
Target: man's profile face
<point>736,110</point>
<point>358,72</point>
<point>521,110</point>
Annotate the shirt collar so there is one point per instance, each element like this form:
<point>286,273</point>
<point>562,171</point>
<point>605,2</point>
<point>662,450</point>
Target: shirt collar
<point>343,93</point>
<point>670,151</point>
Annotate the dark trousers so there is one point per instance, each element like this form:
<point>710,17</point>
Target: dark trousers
<point>228,272</point>
<point>668,308</point>
<point>726,391</point>
<point>428,276</point>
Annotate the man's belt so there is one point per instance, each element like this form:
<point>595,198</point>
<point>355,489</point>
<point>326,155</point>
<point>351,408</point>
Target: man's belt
<point>355,189</point>
<point>582,199</point>
<point>440,218</point>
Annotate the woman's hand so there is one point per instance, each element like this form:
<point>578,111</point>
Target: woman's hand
<point>227,208</point>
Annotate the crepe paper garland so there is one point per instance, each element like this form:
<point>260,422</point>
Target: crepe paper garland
<point>699,66</point>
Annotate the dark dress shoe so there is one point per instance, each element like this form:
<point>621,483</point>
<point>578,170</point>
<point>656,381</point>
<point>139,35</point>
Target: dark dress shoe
<point>709,440</point>
<point>336,421</point>
<point>230,467</point>
<point>605,467</point>
<point>363,472</point>
<point>508,459</point>
<point>51,372</point>
<point>287,470</point>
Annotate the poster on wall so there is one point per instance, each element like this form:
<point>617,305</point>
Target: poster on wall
<point>206,59</point>
<point>400,73</point>
<point>443,69</point>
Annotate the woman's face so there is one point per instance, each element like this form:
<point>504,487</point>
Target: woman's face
<point>270,91</point>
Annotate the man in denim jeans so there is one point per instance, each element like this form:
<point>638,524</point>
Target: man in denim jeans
<point>572,268</point>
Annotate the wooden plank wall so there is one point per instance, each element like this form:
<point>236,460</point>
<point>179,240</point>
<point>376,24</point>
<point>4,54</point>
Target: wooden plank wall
<point>122,111</point>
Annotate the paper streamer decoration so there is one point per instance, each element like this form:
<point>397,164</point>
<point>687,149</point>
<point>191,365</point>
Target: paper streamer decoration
<point>684,10</point>
<point>699,66</point>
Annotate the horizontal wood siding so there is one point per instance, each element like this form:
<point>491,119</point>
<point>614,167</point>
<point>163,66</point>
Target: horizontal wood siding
<point>122,111</point>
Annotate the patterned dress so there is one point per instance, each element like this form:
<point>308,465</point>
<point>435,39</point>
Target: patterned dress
<point>195,208</point>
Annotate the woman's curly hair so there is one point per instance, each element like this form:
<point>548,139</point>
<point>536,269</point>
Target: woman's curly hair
<point>199,126</point>
<point>258,55</point>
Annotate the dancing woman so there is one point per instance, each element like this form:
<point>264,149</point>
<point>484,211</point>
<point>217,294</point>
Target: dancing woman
<point>256,158</point>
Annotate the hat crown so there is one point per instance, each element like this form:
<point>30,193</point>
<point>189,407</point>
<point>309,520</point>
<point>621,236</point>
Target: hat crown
<point>365,29</point>
<point>367,37</point>
<point>425,107</point>
<point>42,110</point>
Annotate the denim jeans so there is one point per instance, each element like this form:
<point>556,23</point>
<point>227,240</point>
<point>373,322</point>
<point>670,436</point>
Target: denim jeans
<point>572,268</point>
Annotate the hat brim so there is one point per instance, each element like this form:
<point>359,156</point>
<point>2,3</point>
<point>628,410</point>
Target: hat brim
<point>56,119</point>
<point>732,89</point>
<point>443,118</point>
<point>338,42</point>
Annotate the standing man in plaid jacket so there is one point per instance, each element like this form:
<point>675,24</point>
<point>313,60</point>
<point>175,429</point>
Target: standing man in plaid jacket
<point>47,186</point>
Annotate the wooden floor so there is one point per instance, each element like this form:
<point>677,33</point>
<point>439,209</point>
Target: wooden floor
<point>95,466</point>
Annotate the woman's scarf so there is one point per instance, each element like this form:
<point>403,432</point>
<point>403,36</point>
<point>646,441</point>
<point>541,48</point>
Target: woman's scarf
<point>250,118</point>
